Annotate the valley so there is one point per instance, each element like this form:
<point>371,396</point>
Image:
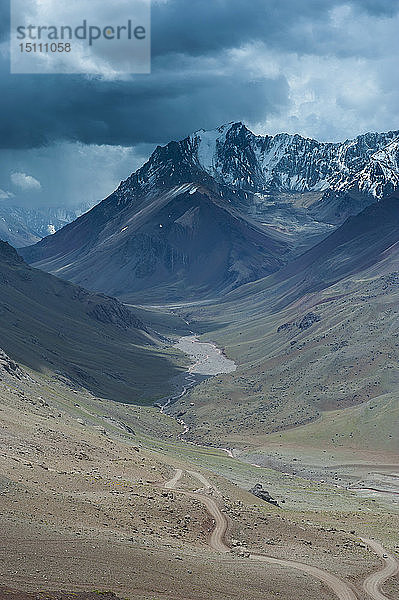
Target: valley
<point>209,390</point>
<point>97,494</point>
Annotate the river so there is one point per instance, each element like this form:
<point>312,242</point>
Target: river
<point>208,358</point>
<point>208,361</point>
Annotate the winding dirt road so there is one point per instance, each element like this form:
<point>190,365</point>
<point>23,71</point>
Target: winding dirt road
<point>338,586</point>
<point>217,540</point>
<point>171,484</point>
<point>372,585</point>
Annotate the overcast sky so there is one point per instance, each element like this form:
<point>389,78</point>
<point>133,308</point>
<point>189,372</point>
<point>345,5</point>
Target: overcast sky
<point>326,69</point>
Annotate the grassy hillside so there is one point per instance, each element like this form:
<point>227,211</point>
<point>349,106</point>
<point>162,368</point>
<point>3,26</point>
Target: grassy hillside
<point>332,350</point>
<point>302,354</point>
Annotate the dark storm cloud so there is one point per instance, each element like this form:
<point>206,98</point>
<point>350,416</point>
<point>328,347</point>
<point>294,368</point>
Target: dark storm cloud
<point>378,7</point>
<point>204,26</point>
<point>195,80</point>
<point>43,109</point>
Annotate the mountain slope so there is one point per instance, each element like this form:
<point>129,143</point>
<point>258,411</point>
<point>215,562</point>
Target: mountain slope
<point>320,335</point>
<point>367,240</point>
<point>181,242</point>
<point>361,242</point>
<point>53,326</point>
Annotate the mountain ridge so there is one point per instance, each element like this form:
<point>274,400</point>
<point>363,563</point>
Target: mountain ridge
<point>249,180</point>
<point>273,157</point>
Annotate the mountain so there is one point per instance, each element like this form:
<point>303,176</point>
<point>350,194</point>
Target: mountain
<point>337,179</point>
<point>162,241</point>
<point>378,178</point>
<point>316,345</point>
<point>217,210</point>
<point>22,226</point>
<point>232,154</point>
<point>60,329</point>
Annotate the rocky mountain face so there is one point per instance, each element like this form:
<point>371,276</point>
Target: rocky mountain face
<point>344,178</point>
<point>218,209</point>
<point>377,179</point>
<point>235,156</point>
<point>363,241</point>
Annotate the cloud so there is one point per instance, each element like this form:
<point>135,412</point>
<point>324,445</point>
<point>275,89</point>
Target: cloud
<point>88,173</point>
<point>204,27</point>
<point>331,98</point>
<point>183,94</point>
<point>4,195</point>
<point>306,66</point>
<point>25,182</point>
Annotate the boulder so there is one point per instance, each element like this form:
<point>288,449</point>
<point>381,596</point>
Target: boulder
<point>259,492</point>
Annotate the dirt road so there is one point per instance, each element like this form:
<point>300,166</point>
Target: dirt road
<point>169,485</point>
<point>372,585</point>
<point>341,589</point>
<point>217,540</point>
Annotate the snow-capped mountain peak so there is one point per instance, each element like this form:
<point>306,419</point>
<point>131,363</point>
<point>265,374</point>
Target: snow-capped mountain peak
<point>236,157</point>
<point>381,174</point>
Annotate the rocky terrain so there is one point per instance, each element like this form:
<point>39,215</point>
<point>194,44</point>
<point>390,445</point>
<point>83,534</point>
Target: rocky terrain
<point>97,496</point>
<point>9,594</point>
<point>234,155</point>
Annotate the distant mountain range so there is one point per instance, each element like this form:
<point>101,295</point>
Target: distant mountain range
<point>217,210</point>
<point>23,226</point>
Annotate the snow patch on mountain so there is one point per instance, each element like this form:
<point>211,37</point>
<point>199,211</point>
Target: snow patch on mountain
<point>381,174</point>
<point>233,155</point>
